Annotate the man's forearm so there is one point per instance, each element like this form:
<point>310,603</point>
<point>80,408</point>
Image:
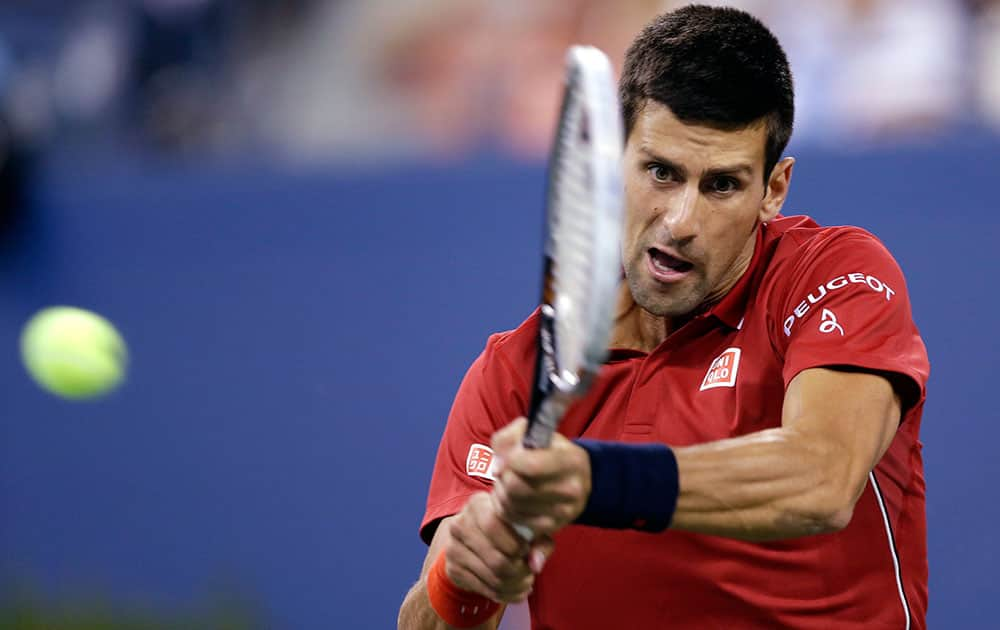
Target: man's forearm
<point>416,612</point>
<point>800,479</point>
<point>768,485</point>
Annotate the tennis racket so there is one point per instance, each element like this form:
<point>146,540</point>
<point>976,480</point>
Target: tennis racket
<point>582,266</point>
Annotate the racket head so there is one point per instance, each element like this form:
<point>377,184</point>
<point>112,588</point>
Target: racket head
<point>583,238</point>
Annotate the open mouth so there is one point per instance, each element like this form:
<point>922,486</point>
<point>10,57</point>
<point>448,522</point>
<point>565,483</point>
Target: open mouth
<point>668,265</point>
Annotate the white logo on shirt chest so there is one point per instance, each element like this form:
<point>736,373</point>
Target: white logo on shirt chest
<point>722,372</point>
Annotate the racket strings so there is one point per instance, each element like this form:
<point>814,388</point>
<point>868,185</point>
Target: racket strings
<point>573,236</point>
<point>583,263</point>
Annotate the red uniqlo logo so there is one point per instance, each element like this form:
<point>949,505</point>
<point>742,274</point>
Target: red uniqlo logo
<point>722,372</point>
<point>480,461</point>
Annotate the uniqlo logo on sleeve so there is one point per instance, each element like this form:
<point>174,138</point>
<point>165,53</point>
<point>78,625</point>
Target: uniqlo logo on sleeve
<point>722,372</point>
<point>479,463</point>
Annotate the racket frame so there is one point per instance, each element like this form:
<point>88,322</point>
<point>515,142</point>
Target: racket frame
<point>590,89</point>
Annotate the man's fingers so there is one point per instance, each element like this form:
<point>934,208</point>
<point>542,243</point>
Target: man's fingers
<point>497,502</point>
<point>556,490</point>
<point>471,554</point>
<point>501,564</point>
<point>561,459</point>
<point>513,596</point>
<point>483,546</point>
<point>468,580</point>
<point>544,520</point>
<point>503,537</point>
<point>541,517</point>
<point>542,525</point>
<point>508,592</point>
<point>484,530</point>
<point>516,499</point>
<point>541,489</point>
<point>508,439</point>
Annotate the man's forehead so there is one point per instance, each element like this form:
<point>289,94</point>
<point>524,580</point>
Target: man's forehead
<point>658,133</point>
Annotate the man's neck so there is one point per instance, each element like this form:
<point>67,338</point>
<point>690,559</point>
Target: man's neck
<point>636,328</point>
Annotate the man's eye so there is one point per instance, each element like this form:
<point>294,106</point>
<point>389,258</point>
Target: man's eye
<point>725,185</point>
<point>660,173</point>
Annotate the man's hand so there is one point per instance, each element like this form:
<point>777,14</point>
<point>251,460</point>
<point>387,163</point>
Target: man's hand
<point>543,489</point>
<point>486,555</point>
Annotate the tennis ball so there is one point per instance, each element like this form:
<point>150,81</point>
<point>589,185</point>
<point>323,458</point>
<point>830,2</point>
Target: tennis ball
<point>73,353</point>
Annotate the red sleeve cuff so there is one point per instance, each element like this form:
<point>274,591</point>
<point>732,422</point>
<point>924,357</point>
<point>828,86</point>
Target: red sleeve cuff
<point>863,361</point>
<point>439,511</point>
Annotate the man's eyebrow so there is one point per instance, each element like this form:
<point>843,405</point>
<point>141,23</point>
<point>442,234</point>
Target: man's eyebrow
<point>735,169</point>
<point>740,168</point>
<point>659,159</point>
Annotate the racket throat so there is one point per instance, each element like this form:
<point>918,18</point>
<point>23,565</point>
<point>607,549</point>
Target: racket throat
<point>542,424</point>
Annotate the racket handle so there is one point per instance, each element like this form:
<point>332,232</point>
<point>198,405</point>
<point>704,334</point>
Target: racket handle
<point>541,428</point>
<point>542,425</point>
<point>523,531</point>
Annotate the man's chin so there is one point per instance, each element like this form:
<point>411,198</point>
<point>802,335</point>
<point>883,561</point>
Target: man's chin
<point>674,303</point>
<point>672,311</point>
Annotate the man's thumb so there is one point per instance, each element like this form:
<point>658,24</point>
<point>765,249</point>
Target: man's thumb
<point>509,437</point>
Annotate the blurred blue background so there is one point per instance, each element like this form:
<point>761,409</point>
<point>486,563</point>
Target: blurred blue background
<point>304,260</point>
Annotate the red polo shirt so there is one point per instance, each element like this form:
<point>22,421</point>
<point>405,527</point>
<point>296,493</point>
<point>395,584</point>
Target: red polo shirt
<point>812,296</point>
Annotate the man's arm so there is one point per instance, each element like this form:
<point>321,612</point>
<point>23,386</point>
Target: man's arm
<point>484,557</point>
<point>416,612</point>
<point>799,479</point>
<point>802,478</point>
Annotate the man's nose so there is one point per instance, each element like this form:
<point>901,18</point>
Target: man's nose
<point>681,218</point>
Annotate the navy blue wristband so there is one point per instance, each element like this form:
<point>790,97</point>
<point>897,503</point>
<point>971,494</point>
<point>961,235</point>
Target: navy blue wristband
<point>633,486</point>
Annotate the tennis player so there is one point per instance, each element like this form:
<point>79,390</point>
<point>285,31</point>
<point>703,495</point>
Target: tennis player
<point>749,456</point>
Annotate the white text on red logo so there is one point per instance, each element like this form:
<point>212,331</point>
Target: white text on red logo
<point>839,282</point>
<point>479,463</point>
<point>722,372</point>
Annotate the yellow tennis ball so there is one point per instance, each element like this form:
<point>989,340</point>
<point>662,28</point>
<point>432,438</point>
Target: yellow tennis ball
<point>73,353</point>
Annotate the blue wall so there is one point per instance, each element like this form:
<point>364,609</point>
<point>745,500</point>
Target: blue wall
<point>297,338</point>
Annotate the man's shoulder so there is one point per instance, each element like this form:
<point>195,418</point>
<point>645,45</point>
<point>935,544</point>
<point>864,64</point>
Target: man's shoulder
<point>806,255</point>
<point>804,232</point>
<point>799,240</point>
<point>517,346</point>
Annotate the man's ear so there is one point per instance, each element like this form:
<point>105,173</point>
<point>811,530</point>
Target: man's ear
<point>777,189</point>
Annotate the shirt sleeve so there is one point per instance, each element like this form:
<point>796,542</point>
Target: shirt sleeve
<point>492,394</point>
<point>846,304</point>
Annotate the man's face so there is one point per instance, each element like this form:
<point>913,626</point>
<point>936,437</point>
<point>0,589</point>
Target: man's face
<point>694,197</point>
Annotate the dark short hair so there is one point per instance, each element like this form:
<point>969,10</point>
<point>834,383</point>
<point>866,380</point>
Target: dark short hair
<point>716,66</point>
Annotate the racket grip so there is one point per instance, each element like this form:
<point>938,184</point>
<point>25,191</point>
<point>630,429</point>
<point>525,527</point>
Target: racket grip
<point>543,424</point>
<point>541,428</point>
<point>523,531</point>
<point>457,607</point>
